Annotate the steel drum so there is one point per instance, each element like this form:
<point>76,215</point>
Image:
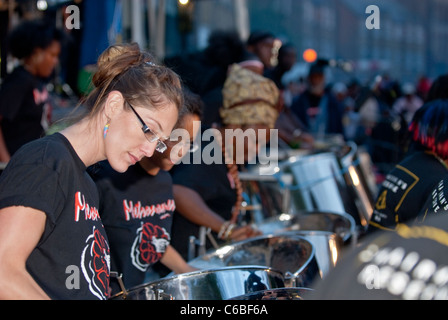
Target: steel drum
<point>337,179</point>
<point>212,284</point>
<point>294,256</point>
<point>327,245</point>
<point>357,164</point>
<point>263,197</point>
<point>327,231</point>
<point>340,224</point>
<point>275,294</point>
<point>330,181</point>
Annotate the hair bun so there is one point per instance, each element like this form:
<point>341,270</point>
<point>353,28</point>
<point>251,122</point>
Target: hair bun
<point>116,51</point>
<point>116,60</point>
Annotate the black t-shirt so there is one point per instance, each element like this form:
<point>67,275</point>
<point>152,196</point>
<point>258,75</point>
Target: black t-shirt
<point>437,202</point>
<point>406,189</point>
<point>137,211</point>
<point>213,183</point>
<point>410,263</point>
<point>71,260</point>
<point>25,109</point>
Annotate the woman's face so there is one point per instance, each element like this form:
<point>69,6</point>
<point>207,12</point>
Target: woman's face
<point>177,149</point>
<point>125,142</point>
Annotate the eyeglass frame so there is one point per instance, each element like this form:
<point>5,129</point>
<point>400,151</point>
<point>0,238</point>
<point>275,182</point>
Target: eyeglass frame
<point>161,146</point>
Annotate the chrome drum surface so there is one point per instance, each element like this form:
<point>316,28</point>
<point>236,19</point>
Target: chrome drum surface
<point>328,182</point>
<point>328,248</point>
<point>341,224</point>
<point>275,294</point>
<point>213,284</point>
<point>294,256</point>
<point>328,232</point>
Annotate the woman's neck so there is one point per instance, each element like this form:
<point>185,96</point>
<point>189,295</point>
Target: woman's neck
<point>86,142</point>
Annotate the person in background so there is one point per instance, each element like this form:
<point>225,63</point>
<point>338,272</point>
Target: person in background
<point>204,72</point>
<point>137,207</point>
<point>210,195</point>
<point>437,202</point>
<point>317,107</point>
<point>287,58</point>
<point>408,186</point>
<point>423,86</point>
<point>52,240</point>
<point>25,110</point>
<point>291,130</point>
<point>439,89</point>
<point>351,119</point>
<point>262,45</point>
<point>408,264</point>
<point>408,104</point>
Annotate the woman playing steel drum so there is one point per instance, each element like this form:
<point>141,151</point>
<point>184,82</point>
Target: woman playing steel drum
<point>52,240</point>
<point>137,208</point>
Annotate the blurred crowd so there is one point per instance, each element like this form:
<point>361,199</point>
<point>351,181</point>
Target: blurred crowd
<point>375,114</point>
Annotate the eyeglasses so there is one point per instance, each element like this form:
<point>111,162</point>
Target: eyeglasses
<point>149,134</point>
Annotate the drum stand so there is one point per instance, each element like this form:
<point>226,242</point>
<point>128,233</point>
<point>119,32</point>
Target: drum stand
<point>196,247</point>
<point>157,294</point>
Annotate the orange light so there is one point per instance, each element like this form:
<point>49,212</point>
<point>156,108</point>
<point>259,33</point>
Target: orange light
<point>310,55</point>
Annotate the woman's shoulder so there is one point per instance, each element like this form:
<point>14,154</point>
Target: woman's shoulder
<point>48,151</point>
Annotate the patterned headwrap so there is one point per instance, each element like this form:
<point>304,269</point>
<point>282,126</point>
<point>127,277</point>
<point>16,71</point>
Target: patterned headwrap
<point>429,127</point>
<point>249,98</point>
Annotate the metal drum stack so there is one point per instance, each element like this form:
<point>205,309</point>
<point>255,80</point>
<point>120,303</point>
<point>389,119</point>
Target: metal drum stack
<point>313,206</point>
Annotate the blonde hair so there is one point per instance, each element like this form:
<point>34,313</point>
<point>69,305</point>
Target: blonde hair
<point>136,75</point>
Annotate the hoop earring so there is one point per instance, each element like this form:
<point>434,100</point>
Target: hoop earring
<point>106,130</point>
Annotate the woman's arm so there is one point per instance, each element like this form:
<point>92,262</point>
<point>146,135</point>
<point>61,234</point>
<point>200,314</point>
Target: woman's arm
<point>174,261</point>
<point>190,204</point>
<point>20,231</point>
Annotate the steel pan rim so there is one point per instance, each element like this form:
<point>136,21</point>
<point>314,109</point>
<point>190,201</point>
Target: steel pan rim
<point>302,233</point>
<point>312,254</point>
<point>180,277</point>
<point>275,290</point>
<point>292,161</point>
<point>263,237</point>
<point>305,213</point>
